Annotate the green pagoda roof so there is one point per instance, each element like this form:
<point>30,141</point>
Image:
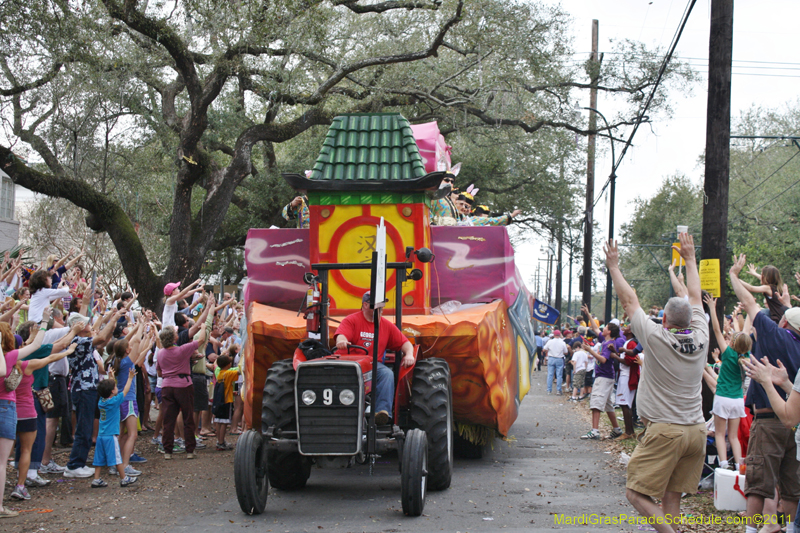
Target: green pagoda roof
<point>368,151</point>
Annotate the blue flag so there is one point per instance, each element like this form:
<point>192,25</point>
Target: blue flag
<point>544,313</point>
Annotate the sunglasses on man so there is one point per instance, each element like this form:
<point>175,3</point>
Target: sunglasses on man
<point>449,180</point>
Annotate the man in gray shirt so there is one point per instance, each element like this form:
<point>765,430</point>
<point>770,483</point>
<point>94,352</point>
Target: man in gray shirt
<point>669,457</point>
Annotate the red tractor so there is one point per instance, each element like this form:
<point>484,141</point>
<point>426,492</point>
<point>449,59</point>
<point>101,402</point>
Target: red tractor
<point>316,409</point>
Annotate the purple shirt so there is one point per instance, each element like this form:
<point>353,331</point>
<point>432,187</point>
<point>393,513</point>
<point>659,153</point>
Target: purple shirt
<point>606,370</point>
<point>176,366</point>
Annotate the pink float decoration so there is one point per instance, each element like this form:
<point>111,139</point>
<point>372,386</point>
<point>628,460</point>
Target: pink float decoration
<point>428,137</point>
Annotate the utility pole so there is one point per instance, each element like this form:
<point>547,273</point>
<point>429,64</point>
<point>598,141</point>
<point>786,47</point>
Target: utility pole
<point>588,221</point>
<point>550,274</point>
<point>569,290</point>
<point>559,271</point>
<point>559,277</point>
<point>717,171</point>
<point>718,132</point>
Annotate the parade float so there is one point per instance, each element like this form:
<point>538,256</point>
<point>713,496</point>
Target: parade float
<point>466,304</point>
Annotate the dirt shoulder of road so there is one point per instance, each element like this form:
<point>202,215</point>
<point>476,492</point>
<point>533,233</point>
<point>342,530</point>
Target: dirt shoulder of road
<point>165,492</point>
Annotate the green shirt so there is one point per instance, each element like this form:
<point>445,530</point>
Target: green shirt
<point>41,377</point>
<point>729,382</point>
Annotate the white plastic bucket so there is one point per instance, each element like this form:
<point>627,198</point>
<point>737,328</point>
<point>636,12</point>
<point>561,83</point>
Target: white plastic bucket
<point>729,490</point>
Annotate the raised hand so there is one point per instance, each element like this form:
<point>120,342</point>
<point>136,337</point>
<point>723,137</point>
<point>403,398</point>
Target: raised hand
<point>751,269</point>
<point>764,373</point>
<point>711,302</point>
<point>738,264</point>
<point>611,250</point>
<point>686,249</point>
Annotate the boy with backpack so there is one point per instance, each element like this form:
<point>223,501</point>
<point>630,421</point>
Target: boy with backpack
<point>223,398</point>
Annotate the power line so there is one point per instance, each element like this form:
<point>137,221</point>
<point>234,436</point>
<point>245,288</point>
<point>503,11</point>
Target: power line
<point>773,198</point>
<point>640,116</point>
<point>661,71</point>
<point>759,184</point>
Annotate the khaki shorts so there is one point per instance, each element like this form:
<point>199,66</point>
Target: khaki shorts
<point>602,395</point>
<point>669,458</point>
<point>772,460</point>
<point>579,379</point>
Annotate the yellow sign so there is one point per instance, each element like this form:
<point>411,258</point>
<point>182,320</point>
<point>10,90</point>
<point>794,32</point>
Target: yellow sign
<point>677,260</point>
<point>709,277</point>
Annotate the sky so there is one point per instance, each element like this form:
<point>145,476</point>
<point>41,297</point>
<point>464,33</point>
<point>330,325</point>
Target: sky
<point>766,71</point>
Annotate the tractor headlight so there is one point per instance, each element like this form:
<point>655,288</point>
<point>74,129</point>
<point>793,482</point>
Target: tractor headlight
<point>309,397</point>
<point>347,397</point>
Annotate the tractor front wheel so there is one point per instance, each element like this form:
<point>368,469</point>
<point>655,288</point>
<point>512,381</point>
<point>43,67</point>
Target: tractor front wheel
<point>414,474</point>
<point>250,472</point>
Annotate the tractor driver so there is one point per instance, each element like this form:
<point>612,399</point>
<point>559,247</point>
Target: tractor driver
<point>359,329</point>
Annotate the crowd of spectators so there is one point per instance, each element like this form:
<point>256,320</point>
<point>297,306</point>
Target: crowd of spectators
<point>653,367</point>
<point>85,368</point>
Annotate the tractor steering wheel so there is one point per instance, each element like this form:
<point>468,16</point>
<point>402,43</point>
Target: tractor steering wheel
<point>356,346</point>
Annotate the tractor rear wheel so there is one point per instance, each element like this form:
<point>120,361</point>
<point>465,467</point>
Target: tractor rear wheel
<point>286,470</point>
<point>250,472</point>
<point>413,477</point>
<point>432,411</point>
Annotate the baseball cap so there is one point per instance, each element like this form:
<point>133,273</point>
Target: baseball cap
<point>169,287</point>
<point>614,321</point>
<point>366,296</point>
<point>556,333</point>
<point>793,317</point>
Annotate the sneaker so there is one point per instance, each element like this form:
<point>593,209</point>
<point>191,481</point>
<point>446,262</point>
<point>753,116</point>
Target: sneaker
<point>167,456</point>
<point>136,458</point>
<point>127,480</point>
<point>98,484</point>
<point>20,493</point>
<point>83,471</point>
<point>180,441</point>
<point>156,440</point>
<point>592,435</point>
<point>8,513</point>
<point>190,456</point>
<point>615,433</point>
<point>51,468</point>
<point>200,446</point>
<point>580,399</point>
<point>626,436</point>
<point>129,471</point>
<point>38,481</point>
<point>175,448</point>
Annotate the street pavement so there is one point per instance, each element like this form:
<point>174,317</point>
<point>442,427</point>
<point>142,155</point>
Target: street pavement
<point>544,471</point>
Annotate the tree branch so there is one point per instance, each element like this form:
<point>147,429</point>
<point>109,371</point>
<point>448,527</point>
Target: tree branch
<point>382,7</point>
<point>343,70</point>
<point>47,78</point>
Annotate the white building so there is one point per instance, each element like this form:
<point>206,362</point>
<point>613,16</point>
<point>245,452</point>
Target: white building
<point>9,226</point>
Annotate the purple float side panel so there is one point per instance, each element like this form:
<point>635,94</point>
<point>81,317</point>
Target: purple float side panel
<point>474,265</point>
<point>276,260</point>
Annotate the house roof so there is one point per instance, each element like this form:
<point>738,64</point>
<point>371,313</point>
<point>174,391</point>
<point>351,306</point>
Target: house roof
<point>368,151</point>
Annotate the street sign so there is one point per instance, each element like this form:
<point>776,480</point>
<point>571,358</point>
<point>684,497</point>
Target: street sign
<point>709,277</point>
